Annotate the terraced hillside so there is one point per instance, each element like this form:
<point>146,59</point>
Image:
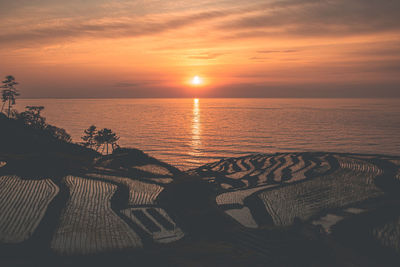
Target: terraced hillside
<point>137,164</point>
<point>88,224</point>
<point>99,211</point>
<point>142,209</point>
<point>140,193</point>
<point>275,189</point>
<point>23,204</point>
<point>120,206</point>
<point>156,222</point>
<point>258,170</point>
<point>351,183</point>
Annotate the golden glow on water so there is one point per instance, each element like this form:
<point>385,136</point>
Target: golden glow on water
<point>196,129</point>
<point>193,131</point>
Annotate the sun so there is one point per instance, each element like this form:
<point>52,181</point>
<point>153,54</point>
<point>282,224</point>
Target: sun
<point>196,80</point>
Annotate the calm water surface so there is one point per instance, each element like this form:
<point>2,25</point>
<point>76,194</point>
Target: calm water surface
<point>190,132</point>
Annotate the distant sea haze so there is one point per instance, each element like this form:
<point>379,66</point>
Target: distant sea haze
<point>188,132</point>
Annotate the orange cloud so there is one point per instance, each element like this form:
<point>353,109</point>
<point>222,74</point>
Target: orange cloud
<point>151,48</point>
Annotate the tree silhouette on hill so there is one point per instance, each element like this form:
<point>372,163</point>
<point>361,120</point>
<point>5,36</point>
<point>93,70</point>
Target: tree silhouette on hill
<point>9,93</point>
<point>32,117</point>
<point>89,139</point>
<point>105,137</point>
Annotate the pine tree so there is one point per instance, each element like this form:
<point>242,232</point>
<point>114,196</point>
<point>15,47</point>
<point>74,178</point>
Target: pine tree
<point>89,139</point>
<point>106,138</point>
<point>9,93</point>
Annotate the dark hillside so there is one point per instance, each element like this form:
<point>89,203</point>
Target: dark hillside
<point>37,152</point>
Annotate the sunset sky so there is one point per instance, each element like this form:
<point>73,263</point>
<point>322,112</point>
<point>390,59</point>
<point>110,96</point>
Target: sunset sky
<point>154,48</point>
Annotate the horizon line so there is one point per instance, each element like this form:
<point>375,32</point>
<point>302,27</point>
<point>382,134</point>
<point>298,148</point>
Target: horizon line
<point>249,97</point>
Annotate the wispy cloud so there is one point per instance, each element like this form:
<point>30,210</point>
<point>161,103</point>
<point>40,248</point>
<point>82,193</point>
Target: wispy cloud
<point>118,28</point>
<point>259,59</point>
<point>276,51</point>
<point>137,83</point>
<point>127,84</point>
<point>206,55</point>
<point>249,42</point>
<point>318,18</point>
<point>296,18</point>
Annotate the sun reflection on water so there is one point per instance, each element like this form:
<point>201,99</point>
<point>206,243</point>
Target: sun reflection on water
<point>196,129</point>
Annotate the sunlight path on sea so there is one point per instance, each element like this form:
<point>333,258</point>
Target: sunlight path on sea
<point>195,143</point>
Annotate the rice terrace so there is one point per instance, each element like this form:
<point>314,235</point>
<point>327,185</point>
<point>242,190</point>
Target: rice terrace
<point>258,205</point>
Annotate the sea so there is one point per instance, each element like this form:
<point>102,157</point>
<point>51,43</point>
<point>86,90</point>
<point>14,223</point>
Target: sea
<point>188,133</point>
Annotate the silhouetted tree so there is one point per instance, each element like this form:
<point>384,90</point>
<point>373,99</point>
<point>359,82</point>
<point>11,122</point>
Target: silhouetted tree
<point>9,93</point>
<point>32,117</point>
<point>35,110</point>
<point>106,137</point>
<point>89,139</point>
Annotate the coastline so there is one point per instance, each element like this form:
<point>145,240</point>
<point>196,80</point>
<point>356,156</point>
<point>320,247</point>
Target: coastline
<point>65,205</point>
